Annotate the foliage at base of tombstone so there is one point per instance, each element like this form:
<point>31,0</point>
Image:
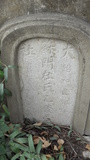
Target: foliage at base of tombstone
<point>15,144</point>
<point>18,145</point>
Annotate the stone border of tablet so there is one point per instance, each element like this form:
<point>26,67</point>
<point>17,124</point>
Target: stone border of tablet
<point>56,26</point>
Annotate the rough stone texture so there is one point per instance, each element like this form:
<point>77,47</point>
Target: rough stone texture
<point>86,154</point>
<point>48,71</point>
<point>53,26</point>
<point>87,138</point>
<point>13,8</point>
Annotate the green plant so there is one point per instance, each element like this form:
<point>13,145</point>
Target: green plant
<point>15,144</point>
<point>70,131</point>
<point>4,92</point>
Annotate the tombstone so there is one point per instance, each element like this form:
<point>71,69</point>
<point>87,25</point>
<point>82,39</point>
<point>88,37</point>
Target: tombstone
<point>48,72</point>
<point>52,82</point>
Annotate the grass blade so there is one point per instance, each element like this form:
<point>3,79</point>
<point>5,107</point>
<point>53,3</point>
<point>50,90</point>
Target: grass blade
<point>6,74</point>
<point>15,133</point>
<point>6,110</point>
<point>31,144</point>
<point>22,157</point>
<point>38,148</point>
<point>16,156</point>
<point>7,92</point>
<point>61,157</point>
<point>1,91</point>
<point>43,157</point>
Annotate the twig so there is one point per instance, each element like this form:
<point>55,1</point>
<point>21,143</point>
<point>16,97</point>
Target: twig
<point>3,64</point>
<point>3,81</point>
<point>72,148</point>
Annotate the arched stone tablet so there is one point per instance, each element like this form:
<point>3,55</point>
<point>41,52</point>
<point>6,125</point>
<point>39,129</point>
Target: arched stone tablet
<point>64,31</point>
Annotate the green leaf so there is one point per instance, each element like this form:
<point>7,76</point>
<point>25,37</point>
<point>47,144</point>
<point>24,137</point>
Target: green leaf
<point>17,127</point>
<point>58,128</point>
<point>49,124</point>
<point>1,134</point>
<point>27,155</point>
<point>31,144</point>
<point>8,152</point>
<point>38,148</point>
<point>37,158</point>
<point>16,156</point>
<point>11,66</point>
<point>43,157</point>
<point>44,128</point>
<point>22,157</point>
<point>61,149</point>
<point>53,138</point>
<point>7,92</point>
<point>2,150</point>
<point>6,110</point>
<point>38,127</point>
<point>2,120</point>
<point>69,133</point>
<point>78,139</point>
<point>15,133</point>
<point>61,157</point>
<point>3,157</point>
<point>1,74</point>
<point>4,128</point>
<point>1,67</point>
<point>51,158</point>
<point>6,74</point>
<point>22,140</point>
<point>18,146</point>
<point>14,149</point>
<point>1,91</point>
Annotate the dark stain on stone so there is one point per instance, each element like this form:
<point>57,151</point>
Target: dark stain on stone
<point>86,10</point>
<point>50,4</point>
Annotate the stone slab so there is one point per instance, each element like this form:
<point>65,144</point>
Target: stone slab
<point>48,73</point>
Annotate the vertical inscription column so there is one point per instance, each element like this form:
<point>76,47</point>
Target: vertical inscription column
<point>48,79</point>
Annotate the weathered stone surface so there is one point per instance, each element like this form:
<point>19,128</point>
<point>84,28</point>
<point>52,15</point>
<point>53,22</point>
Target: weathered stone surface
<point>48,72</point>
<point>86,154</point>
<point>50,26</point>
<point>87,138</point>
<point>13,8</point>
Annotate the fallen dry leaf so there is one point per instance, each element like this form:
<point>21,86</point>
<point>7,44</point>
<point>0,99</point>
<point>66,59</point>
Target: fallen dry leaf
<point>48,156</point>
<point>45,142</point>
<point>88,147</point>
<point>55,148</point>
<point>64,156</point>
<point>60,141</point>
<point>56,136</point>
<point>44,133</point>
<point>59,147</point>
<point>36,139</point>
<point>38,124</point>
